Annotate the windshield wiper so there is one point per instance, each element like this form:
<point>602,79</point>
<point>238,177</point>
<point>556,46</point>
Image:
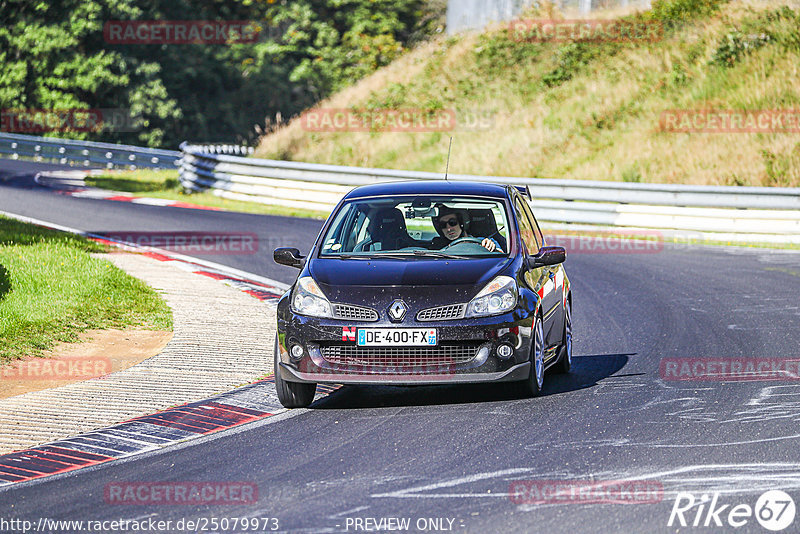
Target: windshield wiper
<point>436,254</point>
<point>395,255</point>
<point>399,255</point>
<point>351,256</point>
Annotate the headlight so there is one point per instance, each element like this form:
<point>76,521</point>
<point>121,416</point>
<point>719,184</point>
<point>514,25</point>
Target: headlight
<point>308,299</point>
<point>499,296</point>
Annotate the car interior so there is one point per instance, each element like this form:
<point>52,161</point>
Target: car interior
<point>408,226</point>
<point>482,223</point>
<point>387,230</point>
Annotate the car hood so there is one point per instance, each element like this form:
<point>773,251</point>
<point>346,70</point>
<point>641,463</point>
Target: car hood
<point>376,280</point>
<point>390,272</point>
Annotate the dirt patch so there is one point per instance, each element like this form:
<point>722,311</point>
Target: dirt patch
<point>101,352</point>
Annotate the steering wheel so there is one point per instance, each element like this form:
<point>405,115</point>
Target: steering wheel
<point>465,240</point>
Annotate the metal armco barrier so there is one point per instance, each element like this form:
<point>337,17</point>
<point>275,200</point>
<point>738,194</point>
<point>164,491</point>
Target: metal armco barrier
<point>752,214</point>
<point>477,14</point>
<point>86,153</point>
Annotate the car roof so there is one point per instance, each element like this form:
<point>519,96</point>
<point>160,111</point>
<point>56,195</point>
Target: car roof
<point>429,187</point>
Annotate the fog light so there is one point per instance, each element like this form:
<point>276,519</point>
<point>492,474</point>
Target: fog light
<point>297,352</point>
<point>504,351</point>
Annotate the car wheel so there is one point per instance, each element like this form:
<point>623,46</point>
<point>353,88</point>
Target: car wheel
<point>565,358</point>
<point>532,387</point>
<point>292,394</point>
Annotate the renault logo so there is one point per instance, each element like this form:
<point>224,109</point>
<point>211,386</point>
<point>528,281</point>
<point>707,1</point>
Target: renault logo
<point>397,311</point>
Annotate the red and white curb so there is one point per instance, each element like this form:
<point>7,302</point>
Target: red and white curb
<point>250,403</point>
<point>269,291</point>
<point>102,194</point>
<point>72,183</point>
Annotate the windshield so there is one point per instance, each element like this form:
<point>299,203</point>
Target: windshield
<point>425,226</point>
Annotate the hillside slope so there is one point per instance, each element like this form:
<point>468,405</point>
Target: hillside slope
<point>586,110</point>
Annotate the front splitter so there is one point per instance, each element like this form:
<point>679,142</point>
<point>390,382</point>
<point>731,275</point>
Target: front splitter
<point>518,372</point>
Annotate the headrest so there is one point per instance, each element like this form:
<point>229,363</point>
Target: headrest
<point>387,219</point>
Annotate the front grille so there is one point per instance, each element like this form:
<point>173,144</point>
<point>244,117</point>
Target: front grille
<point>354,313</point>
<point>442,313</point>
<point>399,358</point>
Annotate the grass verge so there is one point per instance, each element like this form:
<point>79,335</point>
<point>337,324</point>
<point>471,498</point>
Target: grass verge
<point>165,184</point>
<point>52,289</point>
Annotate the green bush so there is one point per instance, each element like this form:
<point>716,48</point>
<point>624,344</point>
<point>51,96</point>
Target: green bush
<point>673,12</point>
<point>570,59</point>
<point>781,26</point>
<point>735,45</point>
<point>631,174</point>
<point>497,52</point>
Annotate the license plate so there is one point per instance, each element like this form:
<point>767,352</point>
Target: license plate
<point>394,337</point>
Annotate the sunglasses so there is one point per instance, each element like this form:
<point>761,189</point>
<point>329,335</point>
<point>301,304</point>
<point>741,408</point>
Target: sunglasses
<point>448,222</point>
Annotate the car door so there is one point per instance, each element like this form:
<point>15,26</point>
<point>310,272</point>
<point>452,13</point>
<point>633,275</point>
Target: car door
<point>556,274</point>
<point>542,280</point>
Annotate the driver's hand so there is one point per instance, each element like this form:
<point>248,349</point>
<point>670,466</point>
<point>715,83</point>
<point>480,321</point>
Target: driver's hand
<point>488,244</point>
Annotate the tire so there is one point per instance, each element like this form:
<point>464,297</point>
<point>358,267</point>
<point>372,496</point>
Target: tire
<point>292,394</point>
<point>532,387</point>
<point>565,358</point>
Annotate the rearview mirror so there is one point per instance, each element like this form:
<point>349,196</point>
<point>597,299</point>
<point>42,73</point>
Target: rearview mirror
<point>288,256</point>
<point>547,256</point>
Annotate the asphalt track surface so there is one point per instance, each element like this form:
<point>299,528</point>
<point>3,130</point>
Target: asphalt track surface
<point>453,452</point>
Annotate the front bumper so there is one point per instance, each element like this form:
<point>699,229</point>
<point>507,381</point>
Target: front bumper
<point>479,337</point>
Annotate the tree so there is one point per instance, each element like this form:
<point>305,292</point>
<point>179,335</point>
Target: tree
<point>54,56</point>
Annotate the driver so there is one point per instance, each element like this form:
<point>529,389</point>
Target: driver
<point>450,224</point>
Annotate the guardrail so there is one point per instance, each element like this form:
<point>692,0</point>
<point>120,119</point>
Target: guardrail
<point>754,214</point>
<point>478,14</point>
<point>86,153</point>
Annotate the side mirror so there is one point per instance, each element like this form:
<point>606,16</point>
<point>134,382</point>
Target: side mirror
<point>547,256</point>
<point>288,256</point>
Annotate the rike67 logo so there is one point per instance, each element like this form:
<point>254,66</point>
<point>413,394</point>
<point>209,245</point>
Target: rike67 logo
<point>774,510</point>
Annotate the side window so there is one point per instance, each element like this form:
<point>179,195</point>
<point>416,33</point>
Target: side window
<point>525,227</point>
<point>337,234</point>
<point>535,223</point>
<point>359,232</point>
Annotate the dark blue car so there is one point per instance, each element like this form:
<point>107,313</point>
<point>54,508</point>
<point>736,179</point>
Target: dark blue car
<point>424,283</point>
